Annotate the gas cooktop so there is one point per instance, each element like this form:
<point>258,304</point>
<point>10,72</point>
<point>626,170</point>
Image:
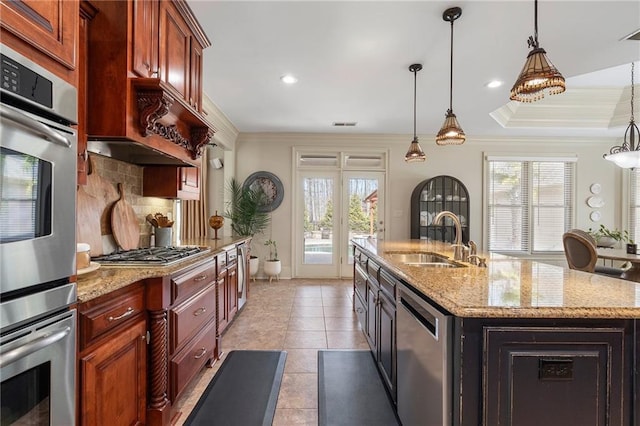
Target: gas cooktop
<point>152,256</point>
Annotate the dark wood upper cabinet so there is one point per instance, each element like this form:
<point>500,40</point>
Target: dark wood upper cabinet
<point>141,71</point>
<point>171,182</point>
<point>145,39</point>
<point>45,31</point>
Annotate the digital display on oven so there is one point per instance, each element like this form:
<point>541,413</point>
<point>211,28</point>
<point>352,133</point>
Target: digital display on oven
<point>25,196</point>
<point>18,79</point>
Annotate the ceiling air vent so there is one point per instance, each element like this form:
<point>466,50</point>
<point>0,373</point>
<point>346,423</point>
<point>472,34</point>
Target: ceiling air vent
<point>344,124</point>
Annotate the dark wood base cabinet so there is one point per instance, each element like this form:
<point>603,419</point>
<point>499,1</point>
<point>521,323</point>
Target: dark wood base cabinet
<point>375,307</point>
<point>112,364</point>
<point>544,372</point>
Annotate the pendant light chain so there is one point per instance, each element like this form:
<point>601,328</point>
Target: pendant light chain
<point>632,89</point>
<point>415,85</point>
<point>451,72</point>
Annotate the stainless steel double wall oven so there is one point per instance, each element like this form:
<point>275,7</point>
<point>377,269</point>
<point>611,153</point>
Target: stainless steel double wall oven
<point>37,244</point>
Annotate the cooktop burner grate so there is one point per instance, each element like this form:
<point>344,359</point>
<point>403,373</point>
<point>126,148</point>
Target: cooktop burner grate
<point>152,256</point>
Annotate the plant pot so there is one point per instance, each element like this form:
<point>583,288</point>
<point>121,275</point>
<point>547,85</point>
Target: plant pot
<point>632,248</point>
<point>254,264</point>
<point>272,268</point>
<point>606,242</point>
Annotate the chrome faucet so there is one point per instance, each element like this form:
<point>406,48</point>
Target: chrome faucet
<point>459,248</point>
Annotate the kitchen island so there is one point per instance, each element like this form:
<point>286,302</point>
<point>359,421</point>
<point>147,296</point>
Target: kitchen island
<point>516,342</point>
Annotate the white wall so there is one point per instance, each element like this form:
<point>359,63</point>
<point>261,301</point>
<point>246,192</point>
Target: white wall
<point>273,153</point>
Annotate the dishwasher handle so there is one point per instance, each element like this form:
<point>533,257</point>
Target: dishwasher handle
<point>429,322</point>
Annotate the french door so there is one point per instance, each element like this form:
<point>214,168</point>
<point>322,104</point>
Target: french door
<point>334,207</point>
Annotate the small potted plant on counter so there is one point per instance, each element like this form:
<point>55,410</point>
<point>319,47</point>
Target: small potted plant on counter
<point>606,237</point>
<point>272,265</point>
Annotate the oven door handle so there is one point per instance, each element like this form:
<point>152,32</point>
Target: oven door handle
<point>34,125</point>
<point>41,342</point>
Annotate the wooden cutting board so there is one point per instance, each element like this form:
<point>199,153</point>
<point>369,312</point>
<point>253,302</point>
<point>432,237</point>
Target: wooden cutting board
<point>104,192</point>
<point>88,221</point>
<point>124,223</point>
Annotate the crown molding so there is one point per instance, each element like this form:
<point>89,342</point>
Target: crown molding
<point>225,132</point>
<point>388,140</point>
<point>588,108</point>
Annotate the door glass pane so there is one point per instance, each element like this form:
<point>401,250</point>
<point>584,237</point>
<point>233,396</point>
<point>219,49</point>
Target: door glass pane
<point>318,221</point>
<point>25,195</point>
<point>363,211</point>
<point>26,397</point>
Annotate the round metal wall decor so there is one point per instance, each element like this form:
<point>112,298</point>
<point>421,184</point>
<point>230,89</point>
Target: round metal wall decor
<point>271,185</point>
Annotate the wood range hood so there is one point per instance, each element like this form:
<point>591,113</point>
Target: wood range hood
<point>159,128</point>
<point>144,83</point>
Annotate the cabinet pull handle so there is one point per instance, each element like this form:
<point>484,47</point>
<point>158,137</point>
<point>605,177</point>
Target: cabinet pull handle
<point>201,354</point>
<point>359,310</point>
<point>200,278</point>
<point>84,155</point>
<point>199,311</point>
<point>127,313</point>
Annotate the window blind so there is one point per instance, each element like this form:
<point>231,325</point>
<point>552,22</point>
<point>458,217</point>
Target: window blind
<point>530,204</point>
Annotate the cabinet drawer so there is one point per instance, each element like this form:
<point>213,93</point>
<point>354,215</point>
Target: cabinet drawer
<point>108,315</point>
<point>186,364</point>
<point>189,283</point>
<point>388,284</point>
<point>189,317</point>
<point>360,282</point>
<point>361,311</point>
<point>361,259</point>
<point>232,257</point>
<point>373,268</point>
<point>222,262</point>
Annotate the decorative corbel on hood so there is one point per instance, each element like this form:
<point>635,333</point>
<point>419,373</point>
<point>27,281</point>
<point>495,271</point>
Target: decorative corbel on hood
<point>163,114</point>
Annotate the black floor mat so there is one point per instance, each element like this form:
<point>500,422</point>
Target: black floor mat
<point>351,391</point>
<point>244,391</point>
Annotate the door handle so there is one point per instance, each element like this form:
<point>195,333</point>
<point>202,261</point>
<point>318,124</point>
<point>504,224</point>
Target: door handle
<point>36,126</point>
<point>20,352</point>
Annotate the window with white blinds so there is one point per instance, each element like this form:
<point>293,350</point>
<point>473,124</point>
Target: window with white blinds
<point>530,204</point>
<point>634,205</point>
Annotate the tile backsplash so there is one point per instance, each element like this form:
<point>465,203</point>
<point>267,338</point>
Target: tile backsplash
<point>130,175</point>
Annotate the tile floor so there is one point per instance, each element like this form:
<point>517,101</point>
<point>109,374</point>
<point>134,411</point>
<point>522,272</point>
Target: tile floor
<point>299,316</point>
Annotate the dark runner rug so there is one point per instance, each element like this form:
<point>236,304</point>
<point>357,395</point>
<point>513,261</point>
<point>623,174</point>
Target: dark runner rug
<point>243,392</point>
<point>351,391</point>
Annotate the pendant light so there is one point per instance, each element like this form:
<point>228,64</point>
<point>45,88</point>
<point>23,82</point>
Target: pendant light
<point>539,75</point>
<point>415,153</point>
<point>451,133</point>
<point>627,155</point>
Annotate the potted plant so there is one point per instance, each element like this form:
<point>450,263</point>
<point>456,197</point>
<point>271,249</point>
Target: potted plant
<point>606,237</point>
<point>272,266</point>
<point>244,211</point>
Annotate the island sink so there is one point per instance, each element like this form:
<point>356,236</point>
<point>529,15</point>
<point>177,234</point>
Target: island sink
<point>425,259</point>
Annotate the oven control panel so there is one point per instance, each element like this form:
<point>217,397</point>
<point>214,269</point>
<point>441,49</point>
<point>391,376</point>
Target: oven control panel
<point>20,80</point>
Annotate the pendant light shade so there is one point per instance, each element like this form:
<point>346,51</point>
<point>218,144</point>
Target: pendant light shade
<point>451,133</point>
<point>415,153</point>
<point>627,155</point>
<point>538,76</point>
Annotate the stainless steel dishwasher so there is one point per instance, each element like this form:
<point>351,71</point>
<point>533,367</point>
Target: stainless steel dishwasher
<point>424,366</point>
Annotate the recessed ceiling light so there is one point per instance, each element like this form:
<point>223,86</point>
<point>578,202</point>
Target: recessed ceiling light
<point>288,79</point>
<point>494,83</point>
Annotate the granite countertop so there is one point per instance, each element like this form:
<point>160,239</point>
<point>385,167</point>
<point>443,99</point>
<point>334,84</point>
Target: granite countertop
<point>109,278</point>
<point>509,287</point>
